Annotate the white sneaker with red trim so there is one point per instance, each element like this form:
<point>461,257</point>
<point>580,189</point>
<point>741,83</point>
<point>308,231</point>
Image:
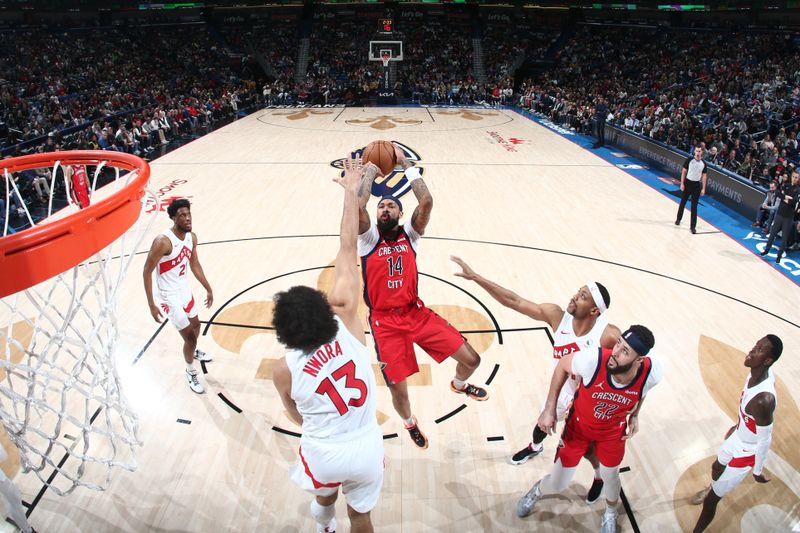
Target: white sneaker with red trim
<point>329,528</point>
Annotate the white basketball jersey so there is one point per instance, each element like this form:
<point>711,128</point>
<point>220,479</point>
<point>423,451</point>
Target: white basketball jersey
<point>566,342</point>
<point>746,428</point>
<point>333,386</point>
<point>173,268</point>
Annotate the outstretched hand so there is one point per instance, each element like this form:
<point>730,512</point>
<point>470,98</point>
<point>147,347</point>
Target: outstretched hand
<point>353,169</point>
<point>466,271</point>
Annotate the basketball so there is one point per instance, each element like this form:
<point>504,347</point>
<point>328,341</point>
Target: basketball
<point>381,154</point>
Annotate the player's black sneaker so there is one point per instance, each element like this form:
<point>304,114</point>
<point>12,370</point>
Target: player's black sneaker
<point>416,435</point>
<point>594,491</point>
<point>528,452</point>
<point>474,392</point>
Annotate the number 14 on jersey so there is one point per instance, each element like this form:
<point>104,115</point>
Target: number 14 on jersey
<point>395,269</point>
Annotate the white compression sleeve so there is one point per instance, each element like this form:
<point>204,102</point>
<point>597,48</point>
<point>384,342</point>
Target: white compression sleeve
<point>611,482</point>
<point>764,434</point>
<point>558,480</point>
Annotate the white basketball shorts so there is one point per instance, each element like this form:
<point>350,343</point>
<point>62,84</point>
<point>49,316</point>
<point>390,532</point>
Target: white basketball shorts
<point>354,462</point>
<point>738,459</point>
<point>178,307</point>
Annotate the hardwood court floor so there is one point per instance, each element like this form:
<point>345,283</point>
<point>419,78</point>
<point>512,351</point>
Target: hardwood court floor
<point>524,207</point>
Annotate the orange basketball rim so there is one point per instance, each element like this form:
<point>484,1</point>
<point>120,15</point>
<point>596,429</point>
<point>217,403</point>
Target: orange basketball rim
<point>51,247</point>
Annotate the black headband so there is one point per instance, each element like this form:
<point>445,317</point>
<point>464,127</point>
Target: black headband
<point>635,342</point>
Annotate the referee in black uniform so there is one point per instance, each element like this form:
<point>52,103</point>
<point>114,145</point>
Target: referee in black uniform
<point>693,184</point>
<point>788,196</point>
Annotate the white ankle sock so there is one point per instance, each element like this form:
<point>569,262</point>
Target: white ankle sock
<point>323,514</point>
<point>409,421</point>
<point>190,368</point>
<point>457,383</point>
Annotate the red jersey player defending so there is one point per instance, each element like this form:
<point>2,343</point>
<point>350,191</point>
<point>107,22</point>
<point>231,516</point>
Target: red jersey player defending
<point>747,443</point>
<point>581,326</point>
<point>613,385</point>
<point>397,317</point>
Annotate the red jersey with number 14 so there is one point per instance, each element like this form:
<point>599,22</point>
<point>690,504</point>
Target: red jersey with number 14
<point>390,269</point>
<point>602,407</point>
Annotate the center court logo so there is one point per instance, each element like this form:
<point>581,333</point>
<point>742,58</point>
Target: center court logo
<point>395,183</point>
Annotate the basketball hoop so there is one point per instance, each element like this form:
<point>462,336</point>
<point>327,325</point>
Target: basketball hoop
<point>60,392</point>
<point>385,58</point>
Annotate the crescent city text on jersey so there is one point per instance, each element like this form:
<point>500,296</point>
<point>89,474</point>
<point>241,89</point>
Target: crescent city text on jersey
<point>386,250</point>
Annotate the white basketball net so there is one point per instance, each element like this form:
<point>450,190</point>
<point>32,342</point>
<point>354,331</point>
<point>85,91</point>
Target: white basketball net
<point>60,396</point>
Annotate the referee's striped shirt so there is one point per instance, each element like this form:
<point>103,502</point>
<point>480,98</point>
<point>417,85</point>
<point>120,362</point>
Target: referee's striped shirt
<point>694,169</point>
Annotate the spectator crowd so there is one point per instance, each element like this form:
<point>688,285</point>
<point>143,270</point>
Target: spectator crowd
<point>735,93</point>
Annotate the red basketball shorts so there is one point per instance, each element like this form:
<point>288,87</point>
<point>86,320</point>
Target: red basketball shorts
<point>395,334</point>
<point>575,440</point>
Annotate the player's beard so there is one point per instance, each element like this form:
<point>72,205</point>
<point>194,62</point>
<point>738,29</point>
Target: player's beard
<point>388,225</point>
<point>619,369</point>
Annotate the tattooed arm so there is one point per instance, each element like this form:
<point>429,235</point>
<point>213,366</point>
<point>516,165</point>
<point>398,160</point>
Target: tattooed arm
<point>422,213</point>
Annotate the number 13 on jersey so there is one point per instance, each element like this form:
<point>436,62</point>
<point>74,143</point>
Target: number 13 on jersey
<point>328,388</point>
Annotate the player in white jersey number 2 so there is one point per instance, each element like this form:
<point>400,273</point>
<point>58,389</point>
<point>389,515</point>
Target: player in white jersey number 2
<point>174,252</point>
<point>747,443</point>
<point>327,384</point>
<point>581,327</point>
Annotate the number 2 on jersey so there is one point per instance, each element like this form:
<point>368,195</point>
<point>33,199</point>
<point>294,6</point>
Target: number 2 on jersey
<point>347,371</point>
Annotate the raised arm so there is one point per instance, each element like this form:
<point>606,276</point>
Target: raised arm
<point>549,313</point>
<point>422,213</point>
<point>344,294</point>
<point>160,247</point>
<point>364,192</point>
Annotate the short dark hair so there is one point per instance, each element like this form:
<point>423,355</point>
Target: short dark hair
<point>303,319</point>
<point>604,293</point>
<point>644,335</point>
<point>777,346</point>
<point>176,204</point>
